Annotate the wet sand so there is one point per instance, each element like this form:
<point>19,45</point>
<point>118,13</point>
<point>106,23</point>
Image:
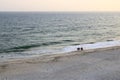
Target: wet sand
<point>86,65</point>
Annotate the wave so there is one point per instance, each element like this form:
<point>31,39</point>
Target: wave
<point>87,46</point>
<point>96,45</point>
<point>72,48</point>
<point>18,48</point>
<point>23,50</point>
<point>26,47</point>
<point>68,40</point>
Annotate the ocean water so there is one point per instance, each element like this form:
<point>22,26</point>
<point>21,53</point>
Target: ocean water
<point>25,34</point>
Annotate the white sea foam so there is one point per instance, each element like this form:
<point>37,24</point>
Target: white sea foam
<point>74,48</point>
<point>93,46</point>
<point>37,52</point>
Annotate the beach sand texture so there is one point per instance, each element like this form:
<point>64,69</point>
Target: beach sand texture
<point>91,65</point>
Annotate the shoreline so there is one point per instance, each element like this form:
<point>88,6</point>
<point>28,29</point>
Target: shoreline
<point>54,57</point>
<point>39,66</point>
<point>66,50</point>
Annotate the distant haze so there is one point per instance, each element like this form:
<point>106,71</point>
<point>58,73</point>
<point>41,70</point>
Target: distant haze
<point>59,5</point>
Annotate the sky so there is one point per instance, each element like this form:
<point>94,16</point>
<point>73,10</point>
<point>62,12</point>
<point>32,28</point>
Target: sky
<point>59,5</point>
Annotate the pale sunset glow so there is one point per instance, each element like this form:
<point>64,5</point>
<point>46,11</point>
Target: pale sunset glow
<point>59,5</point>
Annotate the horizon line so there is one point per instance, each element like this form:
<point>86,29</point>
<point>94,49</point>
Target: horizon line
<point>60,11</point>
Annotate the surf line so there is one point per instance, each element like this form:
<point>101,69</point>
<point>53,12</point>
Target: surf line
<point>96,45</point>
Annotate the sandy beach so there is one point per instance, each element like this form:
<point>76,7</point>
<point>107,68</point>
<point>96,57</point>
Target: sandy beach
<point>80,65</point>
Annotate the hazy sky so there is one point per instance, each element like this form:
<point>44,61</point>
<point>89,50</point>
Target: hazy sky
<point>59,5</point>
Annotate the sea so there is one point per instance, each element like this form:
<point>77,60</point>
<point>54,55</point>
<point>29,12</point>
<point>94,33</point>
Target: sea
<point>28,34</point>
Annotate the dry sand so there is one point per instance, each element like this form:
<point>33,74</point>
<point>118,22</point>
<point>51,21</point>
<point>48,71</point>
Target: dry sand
<point>89,65</point>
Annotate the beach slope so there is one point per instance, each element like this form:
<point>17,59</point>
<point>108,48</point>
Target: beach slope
<point>96,65</point>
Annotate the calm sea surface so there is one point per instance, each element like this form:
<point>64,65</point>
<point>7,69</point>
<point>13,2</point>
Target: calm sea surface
<point>24,34</point>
